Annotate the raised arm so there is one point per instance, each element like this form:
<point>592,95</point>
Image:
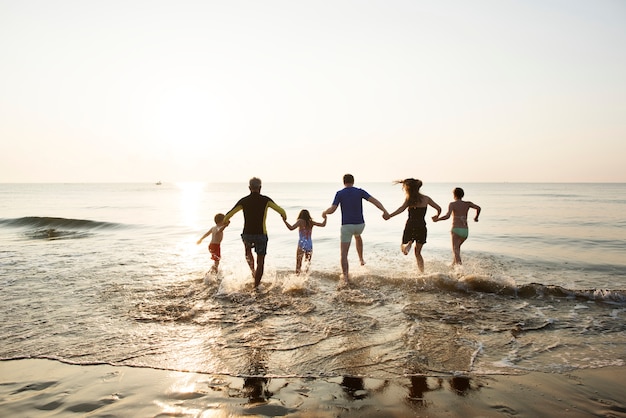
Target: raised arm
<point>323,223</point>
<point>292,227</point>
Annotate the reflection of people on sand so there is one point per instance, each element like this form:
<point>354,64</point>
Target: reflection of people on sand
<point>354,387</point>
<point>254,234</point>
<point>419,387</point>
<point>255,388</point>
<point>217,234</point>
<point>350,199</point>
<point>305,243</point>
<point>415,227</point>
<point>458,209</point>
<point>255,384</point>
<point>460,385</point>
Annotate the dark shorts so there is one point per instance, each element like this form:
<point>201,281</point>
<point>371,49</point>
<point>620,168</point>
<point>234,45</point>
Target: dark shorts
<point>256,241</point>
<point>415,233</point>
<point>215,251</point>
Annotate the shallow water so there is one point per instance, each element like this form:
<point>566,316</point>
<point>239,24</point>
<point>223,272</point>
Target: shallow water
<point>111,274</point>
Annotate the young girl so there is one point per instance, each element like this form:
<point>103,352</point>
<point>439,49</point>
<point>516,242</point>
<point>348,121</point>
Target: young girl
<point>458,209</point>
<point>415,228</point>
<point>305,243</point>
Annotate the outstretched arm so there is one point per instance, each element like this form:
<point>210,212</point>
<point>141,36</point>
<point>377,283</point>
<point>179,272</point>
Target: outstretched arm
<point>323,223</point>
<point>379,205</point>
<point>397,211</point>
<point>209,232</point>
<point>446,216</point>
<point>437,208</point>
<point>292,227</point>
<point>330,210</point>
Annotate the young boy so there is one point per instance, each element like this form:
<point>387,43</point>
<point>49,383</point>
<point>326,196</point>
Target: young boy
<point>458,209</point>
<point>217,233</point>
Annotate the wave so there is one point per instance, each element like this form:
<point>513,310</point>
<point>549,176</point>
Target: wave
<point>52,228</point>
<point>486,284</point>
<point>454,282</point>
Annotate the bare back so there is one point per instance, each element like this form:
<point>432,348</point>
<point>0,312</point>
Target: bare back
<point>459,209</point>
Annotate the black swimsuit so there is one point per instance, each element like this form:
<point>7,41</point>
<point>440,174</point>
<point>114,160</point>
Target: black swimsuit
<point>415,228</point>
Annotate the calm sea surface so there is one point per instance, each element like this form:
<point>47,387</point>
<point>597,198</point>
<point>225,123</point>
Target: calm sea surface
<point>111,273</point>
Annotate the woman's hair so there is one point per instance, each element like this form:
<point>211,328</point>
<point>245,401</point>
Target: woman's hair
<point>412,190</point>
<point>306,217</point>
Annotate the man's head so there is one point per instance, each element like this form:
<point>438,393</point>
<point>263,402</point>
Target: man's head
<point>348,179</point>
<point>255,184</point>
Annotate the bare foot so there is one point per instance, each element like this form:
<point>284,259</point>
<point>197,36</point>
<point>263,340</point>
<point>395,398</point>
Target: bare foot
<point>343,281</point>
<point>362,262</point>
<point>406,248</point>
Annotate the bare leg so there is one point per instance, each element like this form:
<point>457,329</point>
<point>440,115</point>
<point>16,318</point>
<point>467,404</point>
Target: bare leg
<point>307,261</point>
<point>456,247</point>
<point>250,259</point>
<point>418,256</point>
<point>345,246</point>
<point>299,254</point>
<point>359,248</point>
<point>406,247</point>
<point>260,265</point>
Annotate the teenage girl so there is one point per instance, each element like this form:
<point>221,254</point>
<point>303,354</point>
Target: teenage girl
<point>305,243</point>
<point>460,231</point>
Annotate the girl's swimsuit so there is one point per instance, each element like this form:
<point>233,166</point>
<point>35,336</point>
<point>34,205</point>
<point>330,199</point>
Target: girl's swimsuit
<point>462,232</point>
<point>415,228</point>
<point>305,242</point>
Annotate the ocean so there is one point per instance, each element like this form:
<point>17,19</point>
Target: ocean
<point>111,274</point>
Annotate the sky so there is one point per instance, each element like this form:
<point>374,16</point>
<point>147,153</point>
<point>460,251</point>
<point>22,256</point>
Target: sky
<point>305,91</point>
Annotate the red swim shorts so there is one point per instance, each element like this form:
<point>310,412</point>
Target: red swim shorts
<point>215,251</point>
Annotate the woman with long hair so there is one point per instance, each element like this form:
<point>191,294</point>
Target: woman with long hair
<point>415,229</point>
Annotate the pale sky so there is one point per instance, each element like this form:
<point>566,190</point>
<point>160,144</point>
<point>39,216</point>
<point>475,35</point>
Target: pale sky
<point>445,91</point>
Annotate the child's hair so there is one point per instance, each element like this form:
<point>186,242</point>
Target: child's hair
<point>412,190</point>
<point>458,193</point>
<point>306,217</point>
<point>219,218</point>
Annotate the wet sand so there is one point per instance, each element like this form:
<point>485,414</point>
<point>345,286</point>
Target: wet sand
<point>43,388</point>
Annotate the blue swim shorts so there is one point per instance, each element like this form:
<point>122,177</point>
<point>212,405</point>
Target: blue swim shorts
<point>256,241</point>
<point>349,230</point>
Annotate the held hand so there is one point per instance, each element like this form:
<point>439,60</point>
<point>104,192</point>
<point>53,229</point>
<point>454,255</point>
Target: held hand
<point>476,219</point>
<point>435,218</point>
<point>386,216</point>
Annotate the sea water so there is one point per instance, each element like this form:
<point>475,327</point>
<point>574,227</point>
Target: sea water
<point>112,274</point>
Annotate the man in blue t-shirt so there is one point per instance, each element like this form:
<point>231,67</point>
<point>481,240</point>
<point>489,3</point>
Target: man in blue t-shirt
<point>350,199</point>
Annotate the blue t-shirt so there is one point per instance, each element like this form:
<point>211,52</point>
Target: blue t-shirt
<point>351,201</point>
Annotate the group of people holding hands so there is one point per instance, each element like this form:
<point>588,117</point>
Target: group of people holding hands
<point>350,201</point>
